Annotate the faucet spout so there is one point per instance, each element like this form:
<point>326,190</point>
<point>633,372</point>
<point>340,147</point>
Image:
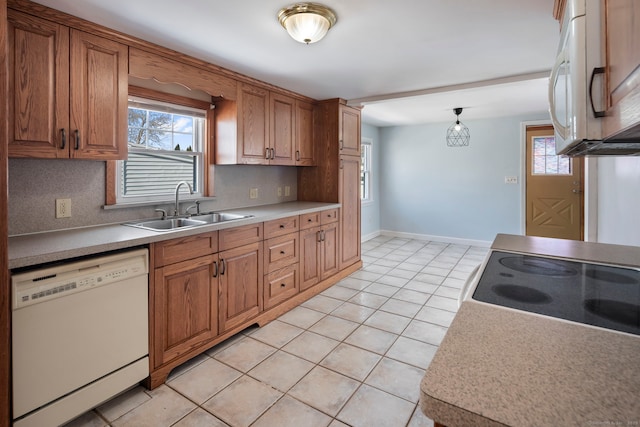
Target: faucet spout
<point>176,211</point>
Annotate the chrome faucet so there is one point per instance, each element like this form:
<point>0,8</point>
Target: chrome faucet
<point>176,212</point>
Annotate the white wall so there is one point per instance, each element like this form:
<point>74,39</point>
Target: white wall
<point>427,188</point>
<point>619,200</point>
<point>371,210</point>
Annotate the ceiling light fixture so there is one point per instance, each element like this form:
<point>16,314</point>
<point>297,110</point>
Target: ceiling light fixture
<point>458,134</point>
<point>307,22</point>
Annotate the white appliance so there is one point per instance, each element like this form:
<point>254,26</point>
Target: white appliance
<point>79,335</point>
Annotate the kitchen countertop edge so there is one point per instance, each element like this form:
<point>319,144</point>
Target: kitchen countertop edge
<point>39,248</point>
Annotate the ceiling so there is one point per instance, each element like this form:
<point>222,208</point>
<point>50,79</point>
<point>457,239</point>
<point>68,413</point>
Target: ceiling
<point>406,61</point>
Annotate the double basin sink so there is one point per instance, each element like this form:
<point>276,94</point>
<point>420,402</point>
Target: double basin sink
<point>197,220</point>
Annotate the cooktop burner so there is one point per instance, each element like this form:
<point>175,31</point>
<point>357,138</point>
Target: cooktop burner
<point>594,294</point>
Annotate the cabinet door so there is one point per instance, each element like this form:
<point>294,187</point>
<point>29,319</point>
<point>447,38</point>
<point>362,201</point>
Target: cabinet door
<point>98,93</point>
<point>349,128</point>
<point>309,257</point>
<point>253,125</point>
<point>622,38</point>
<point>185,298</point>
<point>349,196</point>
<point>38,87</point>
<point>283,125</point>
<point>305,154</point>
<point>241,278</point>
<point>329,264</point>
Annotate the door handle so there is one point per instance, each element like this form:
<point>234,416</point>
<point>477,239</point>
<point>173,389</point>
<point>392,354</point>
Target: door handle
<point>576,191</point>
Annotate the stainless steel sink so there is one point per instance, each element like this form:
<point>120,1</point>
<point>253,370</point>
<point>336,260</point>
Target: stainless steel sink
<point>167,224</point>
<point>215,217</point>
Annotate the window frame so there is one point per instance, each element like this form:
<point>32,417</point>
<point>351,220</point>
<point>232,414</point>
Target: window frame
<point>366,148</point>
<point>154,95</point>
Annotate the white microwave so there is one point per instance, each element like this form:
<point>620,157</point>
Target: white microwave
<point>577,85</point>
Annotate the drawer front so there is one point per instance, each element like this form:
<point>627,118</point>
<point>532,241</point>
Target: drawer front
<point>184,248</point>
<point>329,216</point>
<point>239,236</point>
<point>279,227</point>
<point>310,220</point>
<point>281,285</point>
<point>281,251</point>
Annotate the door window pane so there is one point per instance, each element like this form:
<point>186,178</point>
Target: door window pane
<point>545,160</point>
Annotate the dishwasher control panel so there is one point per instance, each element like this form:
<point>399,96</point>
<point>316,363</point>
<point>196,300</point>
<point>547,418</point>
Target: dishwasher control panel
<point>42,285</point>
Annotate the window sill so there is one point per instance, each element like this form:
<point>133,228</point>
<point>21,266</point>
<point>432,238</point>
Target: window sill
<point>155,203</point>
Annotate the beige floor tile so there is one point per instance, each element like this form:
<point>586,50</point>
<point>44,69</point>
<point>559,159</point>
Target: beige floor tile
<point>353,283</point>
<point>224,344</point>
<point>322,304</point>
<point>416,353</point>
<point>165,408</point>
<point>245,354</point>
<point>334,327</point>
<point>446,291</point>
<point>200,418</point>
<point>398,282</point>
<point>388,322</point>
<point>418,419</point>
<point>353,312</point>
<point>289,412</point>
<point>88,419</point>
<point>402,308</point>
<point>276,333</point>
<point>371,339</point>
<point>405,274</point>
<point>371,407</point>
<point>339,292</point>
<point>424,287</point>
<point>188,365</point>
<point>368,300</point>
<point>205,380</point>
<point>324,390</point>
<point>435,315</point>
<point>397,378</point>
<point>336,423</point>
<point>411,296</point>
<point>429,278</point>
<point>351,361</point>
<point>443,303</point>
<point>381,289</point>
<point>120,405</point>
<point>366,275</point>
<point>311,346</point>
<point>242,402</point>
<point>301,317</point>
<point>426,332</point>
<point>281,370</point>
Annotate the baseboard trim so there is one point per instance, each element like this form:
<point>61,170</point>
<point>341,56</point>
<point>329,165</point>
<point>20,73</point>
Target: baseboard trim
<point>369,236</point>
<point>443,239</point>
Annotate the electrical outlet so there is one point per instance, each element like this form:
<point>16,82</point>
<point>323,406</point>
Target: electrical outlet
<point>253,193</point>
<point>287,190</point>
<point>279,191</point>
<point>510,179</point>
<point>63,208</point>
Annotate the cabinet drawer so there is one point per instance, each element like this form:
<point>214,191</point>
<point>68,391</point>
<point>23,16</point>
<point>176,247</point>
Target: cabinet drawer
<point>281,285</point>
<point>279,227</point>
<point>239,236</point>
<point>310,220</point>
<point>329,216</point>
<point>281,251</point>
<point>184,248</point>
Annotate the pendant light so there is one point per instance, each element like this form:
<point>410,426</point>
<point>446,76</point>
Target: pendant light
<point>458,134</point>
<point>307,22</point>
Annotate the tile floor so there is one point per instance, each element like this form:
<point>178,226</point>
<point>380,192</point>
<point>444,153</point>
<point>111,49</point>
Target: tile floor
<point>353,355</point>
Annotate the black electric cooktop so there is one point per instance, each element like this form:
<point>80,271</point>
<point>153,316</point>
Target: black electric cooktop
<point>594,294</point>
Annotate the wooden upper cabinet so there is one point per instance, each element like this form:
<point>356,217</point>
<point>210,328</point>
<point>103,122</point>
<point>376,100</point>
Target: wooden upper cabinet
<point>68,92</point>
<point>349,128</point>
<point>622,50</point>
<point>282,142</point>
<point>253,124</point>
<point>305,153</point>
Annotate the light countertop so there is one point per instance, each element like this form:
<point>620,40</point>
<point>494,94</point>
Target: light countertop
<point>37,248</point>
<point>499,367</point>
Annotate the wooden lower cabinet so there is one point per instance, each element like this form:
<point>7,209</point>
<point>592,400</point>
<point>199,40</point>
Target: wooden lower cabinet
<point>349,189</point>
<point>241,278</point>
<point>281,285</point>
<point>185,299</point>
<point>318,254</point>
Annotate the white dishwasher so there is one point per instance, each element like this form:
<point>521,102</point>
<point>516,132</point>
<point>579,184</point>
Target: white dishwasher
<point>79,335</point>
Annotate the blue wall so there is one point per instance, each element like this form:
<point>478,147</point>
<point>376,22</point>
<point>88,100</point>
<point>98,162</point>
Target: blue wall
<point>371,210</point>
<point>427,188</point>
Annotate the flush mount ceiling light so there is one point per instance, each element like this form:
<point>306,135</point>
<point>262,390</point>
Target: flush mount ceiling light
<point>458,134</point>
<point>307,22</point>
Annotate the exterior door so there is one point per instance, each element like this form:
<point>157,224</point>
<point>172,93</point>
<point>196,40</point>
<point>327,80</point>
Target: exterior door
<point>554,191</point>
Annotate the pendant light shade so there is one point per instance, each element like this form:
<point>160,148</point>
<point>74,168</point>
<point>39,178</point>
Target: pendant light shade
<point>458,134</point>
<point>307,22</point>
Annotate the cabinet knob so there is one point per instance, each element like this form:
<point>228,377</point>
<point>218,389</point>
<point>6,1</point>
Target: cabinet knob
<point>282,252</point>
<point>282,285</point>
<point>281,226</point>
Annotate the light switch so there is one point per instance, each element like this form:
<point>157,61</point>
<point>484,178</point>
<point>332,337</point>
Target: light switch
<point>510,179</point>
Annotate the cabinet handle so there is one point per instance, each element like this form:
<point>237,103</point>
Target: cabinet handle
<point>341,163</point>
<point>319,236</point>
<point>63,139</point>
<point>297,155</point>
<point>77,139</point>
<point>309,220</point>
<point>215,268</point>
<point>341,144</point>
<point>281,226</point>
<point>223,267</point>
<point>322,235</point>
<point>282,252</point>
<point>282,285</point>
<point>273,153</point>
<point>266,154</point>
<point>597,70</point>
